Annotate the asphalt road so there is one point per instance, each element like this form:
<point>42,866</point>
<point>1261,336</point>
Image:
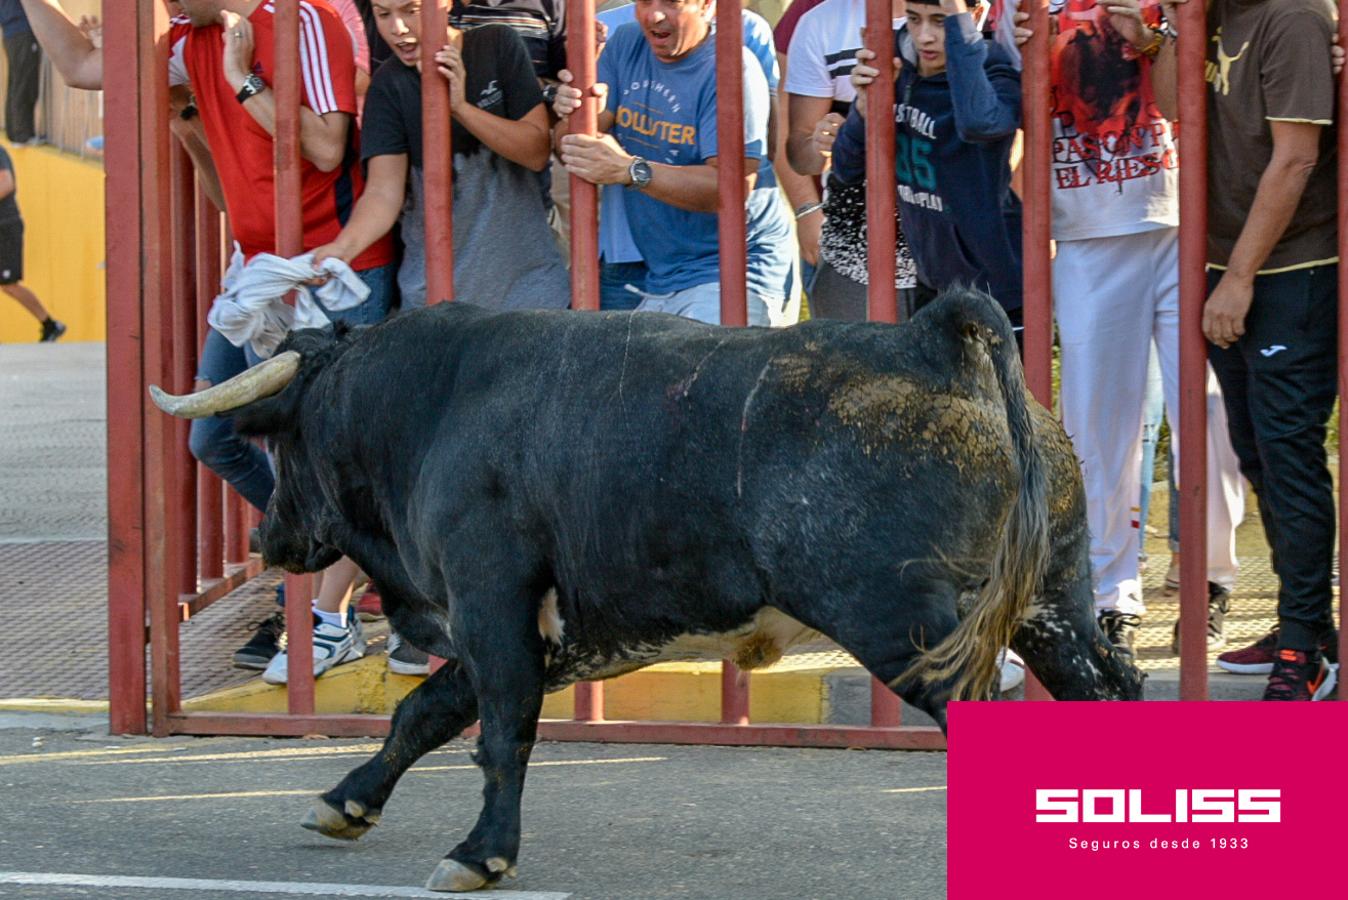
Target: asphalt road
<point>611,822</point>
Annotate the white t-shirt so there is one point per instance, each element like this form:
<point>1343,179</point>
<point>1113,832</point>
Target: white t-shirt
<point>1115,165</point>
<point>823,50</point>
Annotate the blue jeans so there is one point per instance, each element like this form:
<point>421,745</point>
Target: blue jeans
<point>1153,411</point>
<point>614,281</point>
<point>212,441</point>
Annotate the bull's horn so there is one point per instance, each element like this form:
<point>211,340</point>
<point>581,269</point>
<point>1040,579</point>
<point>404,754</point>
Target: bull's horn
<point>262,380</point>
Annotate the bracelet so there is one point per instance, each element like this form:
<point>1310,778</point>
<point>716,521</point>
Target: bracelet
<point>1151,50</point>
<point>806,208</point>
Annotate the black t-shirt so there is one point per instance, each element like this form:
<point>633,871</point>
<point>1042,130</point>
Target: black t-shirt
<point>500,80</point>
<point>542,24</point>
<point>9,207</point>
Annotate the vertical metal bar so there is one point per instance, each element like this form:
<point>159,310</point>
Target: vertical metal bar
<point>885,705</point>
<point>1037,230</point>
<point>437,157</point>
<point>1193,411</point>
<point>733,228</point>
<point>236,527</point>
<point>589,702</point>
<point>126,548</point>
<point>733,237</point>
<point>734,694</point>
<point>289,242</point>
<point>210,489</point>
<point>580,59</point>
<point>182,523</point>
<point>1343,340</point>
<point>157,338</point>
<point>881,215</point>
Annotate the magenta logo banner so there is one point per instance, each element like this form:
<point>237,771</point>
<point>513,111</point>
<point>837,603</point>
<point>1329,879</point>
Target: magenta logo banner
<point>1129,800</point>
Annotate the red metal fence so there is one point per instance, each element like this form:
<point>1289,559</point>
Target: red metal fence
<point>178,539</point>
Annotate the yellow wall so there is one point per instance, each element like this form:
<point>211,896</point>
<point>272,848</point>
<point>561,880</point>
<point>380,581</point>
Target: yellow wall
<point>61,198</point>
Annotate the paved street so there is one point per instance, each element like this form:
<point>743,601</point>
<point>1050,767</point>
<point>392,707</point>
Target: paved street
<point>622,822</point>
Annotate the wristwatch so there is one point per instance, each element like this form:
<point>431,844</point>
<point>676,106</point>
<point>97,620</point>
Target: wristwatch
<point>640,173</point>
<point>252,86</point>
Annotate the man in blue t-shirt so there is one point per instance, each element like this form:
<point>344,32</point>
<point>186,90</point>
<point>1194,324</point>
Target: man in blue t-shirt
<point>659,141</point>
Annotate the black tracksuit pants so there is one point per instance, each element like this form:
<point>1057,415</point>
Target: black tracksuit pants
<point>1278,382</point>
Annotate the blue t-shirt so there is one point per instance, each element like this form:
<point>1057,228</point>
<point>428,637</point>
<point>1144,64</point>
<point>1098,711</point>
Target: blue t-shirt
<point>666,112</point>
<point>615,237</point>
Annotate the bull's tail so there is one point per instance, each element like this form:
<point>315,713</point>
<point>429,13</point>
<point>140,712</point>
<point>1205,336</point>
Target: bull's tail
<point>969,654</point>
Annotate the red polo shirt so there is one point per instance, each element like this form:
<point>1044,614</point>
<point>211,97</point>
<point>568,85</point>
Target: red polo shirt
<point>243,150</point>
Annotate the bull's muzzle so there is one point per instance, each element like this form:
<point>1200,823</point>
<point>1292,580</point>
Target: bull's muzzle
<point>262,380</point>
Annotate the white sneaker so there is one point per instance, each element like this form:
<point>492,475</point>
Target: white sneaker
<point>333,645</point>
<point>1013,670</point>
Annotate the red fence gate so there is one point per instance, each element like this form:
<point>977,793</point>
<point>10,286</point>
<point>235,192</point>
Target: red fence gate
<point>178,540</point>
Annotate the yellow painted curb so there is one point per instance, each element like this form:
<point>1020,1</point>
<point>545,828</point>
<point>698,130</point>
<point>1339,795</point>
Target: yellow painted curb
<point>53,705</point>
<point>688,692</point>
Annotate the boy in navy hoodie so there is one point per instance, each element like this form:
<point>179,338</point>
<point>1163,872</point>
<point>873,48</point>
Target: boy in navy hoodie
<point>957,108</point>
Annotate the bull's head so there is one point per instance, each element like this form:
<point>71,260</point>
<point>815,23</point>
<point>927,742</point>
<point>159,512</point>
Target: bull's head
<point>267,401</point>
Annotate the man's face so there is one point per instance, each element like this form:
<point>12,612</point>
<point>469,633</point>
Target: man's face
<point>201,12</point>
<point>674,27</point>
<point>926,26</point>
<point>399,24</point>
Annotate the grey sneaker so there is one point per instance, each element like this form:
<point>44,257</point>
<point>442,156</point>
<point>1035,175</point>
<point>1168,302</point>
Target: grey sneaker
<point>1219,603</point>
<point>1120,629</point>
<point>404,659</point>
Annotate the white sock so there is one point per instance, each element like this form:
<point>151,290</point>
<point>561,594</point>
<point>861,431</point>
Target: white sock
<point>329,618</point>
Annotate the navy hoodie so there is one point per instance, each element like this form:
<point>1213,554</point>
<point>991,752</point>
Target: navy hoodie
<point>954,136</point>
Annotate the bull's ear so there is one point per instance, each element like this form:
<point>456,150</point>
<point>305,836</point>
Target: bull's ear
<point>269,416</point>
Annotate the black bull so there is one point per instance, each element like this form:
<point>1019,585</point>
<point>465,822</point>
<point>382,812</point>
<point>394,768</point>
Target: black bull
<point>546,497</point>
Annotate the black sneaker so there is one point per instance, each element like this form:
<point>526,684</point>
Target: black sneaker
<point>1298,675</point>
<point>51,331</point>
<point>1219,604</point>
<point>404,659</point>
<point>262,646</point>
<point>1120,629</point>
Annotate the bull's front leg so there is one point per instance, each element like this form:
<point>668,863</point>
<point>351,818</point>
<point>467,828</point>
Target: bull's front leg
<point>434,713</point>
<point>505,659</point>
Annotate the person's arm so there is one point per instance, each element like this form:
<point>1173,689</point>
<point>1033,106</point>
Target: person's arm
<point>801,191</point>
<point>1296,148</point>
<point>849,149</point>
<point>813,128</point>
<point>6,183</point>
<point>375,212</point>
<point>193,139</point>
<point>987,105</point>
<point>523,141</point>
<point>322,137</point>
<point>74,56</point>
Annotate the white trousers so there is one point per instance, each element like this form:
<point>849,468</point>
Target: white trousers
<point>1112,297</point>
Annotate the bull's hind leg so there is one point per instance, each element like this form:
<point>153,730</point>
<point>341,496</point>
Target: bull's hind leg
<point>886,627</point>
<point>440,707</point>
<point>504,653</point>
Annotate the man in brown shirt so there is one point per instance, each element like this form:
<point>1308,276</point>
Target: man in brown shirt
<point>1271,312</point>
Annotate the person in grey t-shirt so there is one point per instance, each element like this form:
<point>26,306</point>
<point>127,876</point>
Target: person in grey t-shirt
<point>504,253</point>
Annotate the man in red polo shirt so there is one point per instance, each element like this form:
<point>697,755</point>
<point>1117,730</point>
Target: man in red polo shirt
<point>224,51</point>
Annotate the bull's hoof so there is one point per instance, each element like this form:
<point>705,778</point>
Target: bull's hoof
<point>452,875</point>
<point>334,823</point>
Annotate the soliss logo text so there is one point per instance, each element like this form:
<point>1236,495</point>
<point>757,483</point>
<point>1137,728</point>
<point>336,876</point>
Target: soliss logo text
<point>1129,805</point>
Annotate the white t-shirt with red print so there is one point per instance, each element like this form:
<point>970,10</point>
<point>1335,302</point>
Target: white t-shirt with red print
<point>1115,164</point>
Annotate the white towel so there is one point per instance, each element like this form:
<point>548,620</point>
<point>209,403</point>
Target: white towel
<point>252,309</point>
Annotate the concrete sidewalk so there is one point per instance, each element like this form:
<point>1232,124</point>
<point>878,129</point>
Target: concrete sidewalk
<point>53,557</point>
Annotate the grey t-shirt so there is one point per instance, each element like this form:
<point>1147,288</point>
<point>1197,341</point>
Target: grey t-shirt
<point>505,256</point>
